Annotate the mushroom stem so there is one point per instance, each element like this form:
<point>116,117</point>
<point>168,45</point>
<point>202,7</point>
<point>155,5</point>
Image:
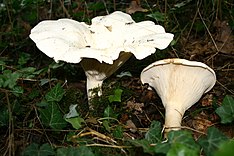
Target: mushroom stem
<point>92,84</point>
<point>173,118</point>
<point>97,72</point>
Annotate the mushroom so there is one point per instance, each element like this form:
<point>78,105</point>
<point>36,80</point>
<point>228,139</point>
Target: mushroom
<point>101,47</point>
<point>180,84</point>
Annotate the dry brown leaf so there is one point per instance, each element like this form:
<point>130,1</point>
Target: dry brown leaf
<point>201,122</point>
<point>91,120</point>
<point>207,100</point>
<point>135,106</point>
<point>132,127</point>
<point>224,38</point>
<point>124,118</point>
<point>134,7</point>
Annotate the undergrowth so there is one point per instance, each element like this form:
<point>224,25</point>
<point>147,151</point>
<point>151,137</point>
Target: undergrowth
<point>44,108</point>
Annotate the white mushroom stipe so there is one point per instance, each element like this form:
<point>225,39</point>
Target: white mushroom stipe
<point>180,84</point>
<point>98,46</point>
<point>97,72</point>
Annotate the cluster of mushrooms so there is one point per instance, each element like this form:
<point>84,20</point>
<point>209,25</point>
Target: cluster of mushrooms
<point>102,47</point>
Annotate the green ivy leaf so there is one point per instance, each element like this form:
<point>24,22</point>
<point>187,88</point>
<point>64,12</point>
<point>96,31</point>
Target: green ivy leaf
<point>105,123</point>
<point>45,81</point>
<point>17,91</point>
<point>71,151</point>
<point>35,150</point>
<point>211,142</point>
<point>151,137</point>
<point>2,65</point>
<point>162,148</point>
<point>96,6</point>
<point>52,117</point>
<point>55,94</point>
<point>55,65</point>
<point>181,150</point>
<point>23,58</point>
<point>158,16</point>
<point>42,103</point>
<point>225,149</point>
<point>4,116</point>
<point>144,144</point>
<point>27,72</point>
<point>116,97</point>
<point>9,79</point>
<point>108,112</point>
<point>76,122</point>
<point>72,112</point>
<point>226,111</point>
<point>118,132</point>
<point>154,133</point>
<point>178,141</point>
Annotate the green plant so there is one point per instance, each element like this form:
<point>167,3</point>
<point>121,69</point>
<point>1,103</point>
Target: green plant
<point>50,113</point>
<point>226,110</point>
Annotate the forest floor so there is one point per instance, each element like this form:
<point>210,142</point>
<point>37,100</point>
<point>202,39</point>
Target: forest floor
<point>213,45</point>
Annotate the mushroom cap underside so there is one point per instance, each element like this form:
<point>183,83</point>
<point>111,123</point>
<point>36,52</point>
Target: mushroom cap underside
<point>179,81</point>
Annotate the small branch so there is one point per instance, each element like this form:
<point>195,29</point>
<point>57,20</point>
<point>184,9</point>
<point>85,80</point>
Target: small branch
<point>112,146</point>
<point>225,87</point>
<point>183,127</point>
<point>64,9</point>
<point>10,147</point>
<point>42,126</point>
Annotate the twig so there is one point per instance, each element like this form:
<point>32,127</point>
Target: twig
<point>194,18</point>
<point>112,146</point>
<point>64,9</point>
<point>42,126</point>
<point>225,87</point>
<point>100,135</point>
<point>10,147</point>
<point>184,127</point>
<point>216,47</point>
<point>107,12</point>
<point>51,8</point>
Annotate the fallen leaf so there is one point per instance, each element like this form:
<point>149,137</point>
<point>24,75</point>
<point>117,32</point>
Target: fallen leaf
<point>224,38</point>
<point>201,122</point>
<point>134,7</point>
<point>135,106</point>
<point>131,126</point>
<point>207,100</point>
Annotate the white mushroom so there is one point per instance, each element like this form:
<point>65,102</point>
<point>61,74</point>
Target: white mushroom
<point>102,46</point>
<point>180,84</point>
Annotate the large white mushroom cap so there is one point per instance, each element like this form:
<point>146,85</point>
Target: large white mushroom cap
<point>103,40</point>
<point>180,84</point>
<point>103,46</point>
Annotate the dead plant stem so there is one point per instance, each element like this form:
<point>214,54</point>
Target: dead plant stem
<point>10,148</point>
<point>64,8</point>
<point>112,146</point>
<point>42,127</point>
<point>225,87</point>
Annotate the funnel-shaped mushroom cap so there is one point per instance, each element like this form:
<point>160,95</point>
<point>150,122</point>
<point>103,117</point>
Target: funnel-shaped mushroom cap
<point>180,84</point>
<point>123,34</point>
<point>63,39</point>
<point>99,43</point>
<point>70,41</point>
